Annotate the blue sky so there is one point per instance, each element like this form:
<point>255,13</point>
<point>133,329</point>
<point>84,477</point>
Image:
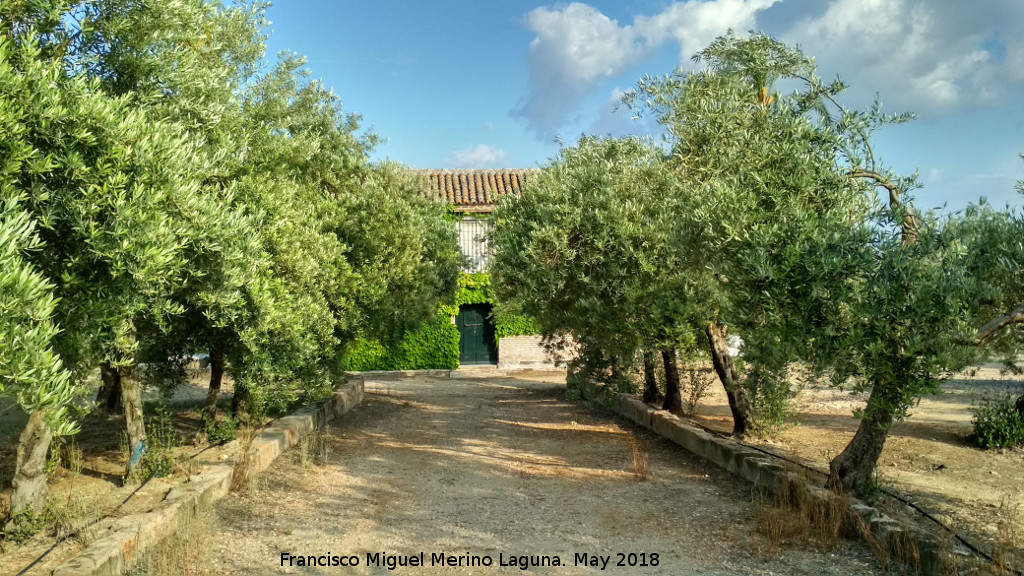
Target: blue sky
<point>492,83</point>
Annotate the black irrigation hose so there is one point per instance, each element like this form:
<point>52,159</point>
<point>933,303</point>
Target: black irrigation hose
<point>889,493</point>
<point>79,529</point>
<point>110,514</point>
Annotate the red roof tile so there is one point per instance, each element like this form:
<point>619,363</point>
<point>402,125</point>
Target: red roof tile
<point>479,189</point>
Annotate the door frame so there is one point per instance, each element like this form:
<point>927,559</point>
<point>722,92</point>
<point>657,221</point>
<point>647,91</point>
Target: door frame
<point>477,343</point>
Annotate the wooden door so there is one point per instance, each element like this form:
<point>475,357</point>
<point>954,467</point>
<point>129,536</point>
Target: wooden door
<point>476,335</point>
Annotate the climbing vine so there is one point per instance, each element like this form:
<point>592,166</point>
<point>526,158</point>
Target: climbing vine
<point>435,344</point>
<point>474,288</point>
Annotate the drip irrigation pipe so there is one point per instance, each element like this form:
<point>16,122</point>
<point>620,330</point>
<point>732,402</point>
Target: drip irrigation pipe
<point>110,514</point>
<point>885,491</point>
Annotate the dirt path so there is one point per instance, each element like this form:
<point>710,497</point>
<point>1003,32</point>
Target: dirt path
<point>499,467</point>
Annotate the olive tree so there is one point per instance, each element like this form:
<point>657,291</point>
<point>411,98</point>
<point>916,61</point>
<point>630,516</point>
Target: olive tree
<point>188,63</point>
<point>121,211</point>
<point>352,249</point>
<point>759,184</point>
<point>178,64</point>
<point>58,164</point>
<point>268,284</point>
<point>812,264</point>
<point>28,366</point>
<point>404,249</point>
<point>188,199</point>
<point>588,250</point>
<point>997,253</point>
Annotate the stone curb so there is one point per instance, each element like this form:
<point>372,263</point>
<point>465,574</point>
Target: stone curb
<point>463,372</point>
<point>529,367</point>
<point>915,548</point>
<point>127,537</point>
<point>443,373</point>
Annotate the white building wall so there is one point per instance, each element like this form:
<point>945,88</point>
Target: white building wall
<point>473,242</point>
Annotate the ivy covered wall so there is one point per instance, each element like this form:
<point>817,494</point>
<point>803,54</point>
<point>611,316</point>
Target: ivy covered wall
<point>435,345</point>
<point>506,325</point>
<point>476,289</point>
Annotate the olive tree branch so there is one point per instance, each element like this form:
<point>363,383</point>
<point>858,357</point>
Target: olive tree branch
<point>909,221</point>
<point>1015,316</point>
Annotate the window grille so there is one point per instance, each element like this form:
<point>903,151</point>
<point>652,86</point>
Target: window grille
<point>473,242</point>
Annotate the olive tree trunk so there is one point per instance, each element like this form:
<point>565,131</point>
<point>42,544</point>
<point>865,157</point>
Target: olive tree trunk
<point>673,392</point>
<point>131,401</point>
<point>854,467</point>
<point>651,393</point>
<point>109,396</point>
<point>216,378</point>
<point>739,404</point>
<point>30,468</point>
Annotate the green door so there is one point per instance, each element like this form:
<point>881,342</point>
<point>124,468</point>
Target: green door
<point>476,335</point>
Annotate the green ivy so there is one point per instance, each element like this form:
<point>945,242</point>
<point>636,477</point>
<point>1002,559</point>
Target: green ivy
<point>434,345</point>
<point>474,289</point>
<point>366,355</point>
<point>506,325</point>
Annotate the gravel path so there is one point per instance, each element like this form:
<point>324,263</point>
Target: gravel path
<point>498,469</point>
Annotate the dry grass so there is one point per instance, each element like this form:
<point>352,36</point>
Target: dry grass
<point>639,453</point>
<point>69,517</point>
<point>73,511</point>
<point>1008,544</point>
<point>124,454</point>
<point>775,522</point>
<point>947,548</point>
<point>795,514</point>
<point>185,552</point>
<point>70,458</point>
<point>315,448</point>
<point>5,511</point>
<point>74,518</point>
<point>903,548</point>
<point>241,475</point>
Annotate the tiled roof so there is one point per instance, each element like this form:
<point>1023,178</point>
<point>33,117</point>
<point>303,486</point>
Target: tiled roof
<point>475,189</point>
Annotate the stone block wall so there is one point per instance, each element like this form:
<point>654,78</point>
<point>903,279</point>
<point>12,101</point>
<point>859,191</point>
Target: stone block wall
<point>516,352</point>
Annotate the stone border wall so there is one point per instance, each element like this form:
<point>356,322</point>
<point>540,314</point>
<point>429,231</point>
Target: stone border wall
<point>433,372</point>
<point>525,352</point>
<point>922,551</point>
<point>112,552</point>
<point>470,371</point>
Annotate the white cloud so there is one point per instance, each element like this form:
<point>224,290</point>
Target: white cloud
<point>489,127</point>
<point>928,56</point>
<point>479,156</point>
<point>694,25</point>
<point>577,48</point>
<point>933,57</point>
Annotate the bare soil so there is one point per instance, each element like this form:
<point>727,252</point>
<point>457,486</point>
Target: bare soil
<point>505,465</point>
<point>928,458</point>
<point>86,497</point>
<point>499,466</point>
